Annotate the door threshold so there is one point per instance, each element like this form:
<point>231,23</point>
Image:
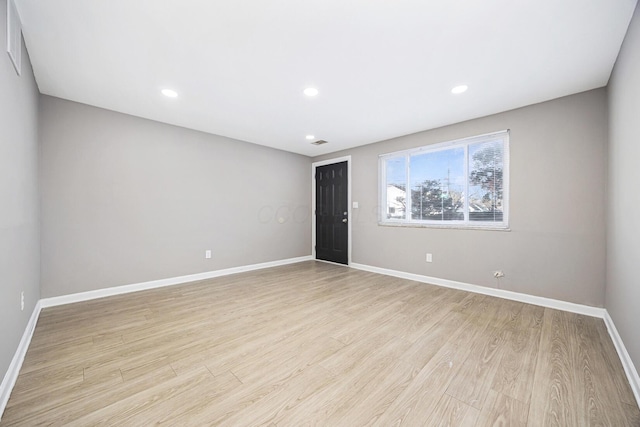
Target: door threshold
<point>331,262</point>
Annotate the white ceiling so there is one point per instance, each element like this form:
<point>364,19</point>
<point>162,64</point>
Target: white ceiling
<point>384,68</point>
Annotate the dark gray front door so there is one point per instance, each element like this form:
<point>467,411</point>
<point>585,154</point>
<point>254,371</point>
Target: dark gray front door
<point>332,213</point>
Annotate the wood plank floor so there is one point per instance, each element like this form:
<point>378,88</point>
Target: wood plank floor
<point>318,344</point>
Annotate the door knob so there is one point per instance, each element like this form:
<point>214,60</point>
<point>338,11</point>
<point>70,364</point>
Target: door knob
<point>344,220</point>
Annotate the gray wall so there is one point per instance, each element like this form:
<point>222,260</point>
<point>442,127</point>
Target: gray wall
<point>19,216</point>
<point>127,200</point>
<point>623,225</point>
<point>556,246</point>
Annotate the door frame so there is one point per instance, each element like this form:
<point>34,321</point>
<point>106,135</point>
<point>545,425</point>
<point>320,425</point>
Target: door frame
<point>314,165</point>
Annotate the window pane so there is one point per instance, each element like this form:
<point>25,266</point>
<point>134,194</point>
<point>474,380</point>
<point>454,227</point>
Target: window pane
<point>396,173</point>
<point>486,181</point>
<point>437,185</point>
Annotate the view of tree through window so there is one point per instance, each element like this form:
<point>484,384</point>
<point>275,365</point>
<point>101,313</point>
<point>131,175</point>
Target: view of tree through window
<point>460,183</point>
<point>486,181</point>
<point>437,185</point>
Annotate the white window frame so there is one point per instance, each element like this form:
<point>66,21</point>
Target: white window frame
<point>466,223</point>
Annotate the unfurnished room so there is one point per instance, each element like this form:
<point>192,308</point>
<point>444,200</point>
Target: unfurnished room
<point>329,213</point>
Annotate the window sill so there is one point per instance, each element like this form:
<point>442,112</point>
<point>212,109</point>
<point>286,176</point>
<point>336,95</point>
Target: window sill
<point>443,226</point>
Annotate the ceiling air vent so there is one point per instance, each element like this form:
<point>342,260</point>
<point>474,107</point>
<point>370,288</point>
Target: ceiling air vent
<point>319,142</point>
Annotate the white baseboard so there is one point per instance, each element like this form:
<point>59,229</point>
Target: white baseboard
<point>118,290</point>
<point>500,293</point>
<point>627,363</point>
<point>629,368</point>
<point>11,375</point>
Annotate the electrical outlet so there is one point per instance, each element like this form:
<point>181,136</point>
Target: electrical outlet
<point>22,301</point>
<point>429,258</point>
<point>207,254</point>
<point>498,274</point>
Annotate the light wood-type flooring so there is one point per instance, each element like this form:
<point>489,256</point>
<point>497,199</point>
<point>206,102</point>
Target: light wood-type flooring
<point>318,344</point>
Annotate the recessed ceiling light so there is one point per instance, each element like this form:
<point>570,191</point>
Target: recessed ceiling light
<point>459,89</point>
<point>311,91</point>
<point>169,93</point>
<point>310,137</point>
